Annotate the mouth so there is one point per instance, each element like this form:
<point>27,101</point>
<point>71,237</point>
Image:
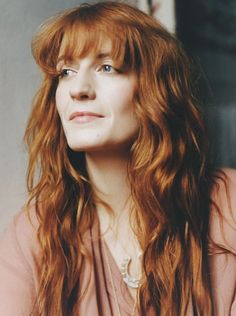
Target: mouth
<point>84,117</point>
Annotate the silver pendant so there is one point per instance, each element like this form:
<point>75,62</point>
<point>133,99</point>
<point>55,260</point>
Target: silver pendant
<point>127,278</point>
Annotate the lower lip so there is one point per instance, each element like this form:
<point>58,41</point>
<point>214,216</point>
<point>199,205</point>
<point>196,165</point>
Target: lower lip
<point>85,119</point>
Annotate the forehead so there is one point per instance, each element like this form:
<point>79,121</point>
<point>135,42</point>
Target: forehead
<point>80,41</point>
<point>99,52</point>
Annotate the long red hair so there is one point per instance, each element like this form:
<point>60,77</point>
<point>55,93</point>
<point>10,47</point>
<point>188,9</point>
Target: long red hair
<point>168,170</point>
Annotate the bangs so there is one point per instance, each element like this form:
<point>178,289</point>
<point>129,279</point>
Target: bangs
<point>76,36</point>
<point>80,40</point>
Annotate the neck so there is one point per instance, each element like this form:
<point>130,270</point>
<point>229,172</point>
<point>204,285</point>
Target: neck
<point>108,175</point>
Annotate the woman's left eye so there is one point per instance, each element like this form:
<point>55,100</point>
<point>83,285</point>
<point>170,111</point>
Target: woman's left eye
<point>107,69</point>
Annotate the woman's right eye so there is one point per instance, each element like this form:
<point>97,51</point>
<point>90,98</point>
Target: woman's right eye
<point>66,72</point>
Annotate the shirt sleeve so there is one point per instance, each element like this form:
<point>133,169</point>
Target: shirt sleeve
<point>223,233</point>
<point>17,270</point>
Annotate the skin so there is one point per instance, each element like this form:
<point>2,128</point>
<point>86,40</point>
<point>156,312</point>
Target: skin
<point>95,103</point>
<point>93,84</point>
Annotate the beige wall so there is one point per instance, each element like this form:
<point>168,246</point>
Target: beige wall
<point>163,10</point>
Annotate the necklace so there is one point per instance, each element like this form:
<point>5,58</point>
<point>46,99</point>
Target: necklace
<point>130,281</point>
<point>113,286</point>
<point>127,278</point>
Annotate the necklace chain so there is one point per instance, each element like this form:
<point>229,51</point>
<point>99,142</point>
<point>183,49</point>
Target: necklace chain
<point>123,247</point>
<point>113,286</point>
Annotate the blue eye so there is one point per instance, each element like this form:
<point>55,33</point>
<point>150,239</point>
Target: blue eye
<point>66,72</point>
<point>107,69</point>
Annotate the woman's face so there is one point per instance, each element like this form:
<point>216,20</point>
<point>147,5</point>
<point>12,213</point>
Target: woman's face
<point>95,103</point>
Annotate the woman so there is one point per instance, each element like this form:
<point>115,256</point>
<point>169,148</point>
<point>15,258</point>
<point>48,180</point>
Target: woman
<point>125,215</point>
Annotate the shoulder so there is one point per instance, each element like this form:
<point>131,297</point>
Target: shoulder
<point>223,211</point>
<point>222,259</point>
<point>19,241</point>
<point>225,188</point>
<point>19,258</point>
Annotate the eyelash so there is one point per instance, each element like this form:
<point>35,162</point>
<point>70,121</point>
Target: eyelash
<point>66,72</point>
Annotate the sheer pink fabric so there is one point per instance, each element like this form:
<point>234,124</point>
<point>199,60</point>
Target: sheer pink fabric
<point>20,261</point>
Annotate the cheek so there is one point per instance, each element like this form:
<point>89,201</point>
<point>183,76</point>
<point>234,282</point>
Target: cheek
<point>60,101</point>
<point>125,111</point>
<point>124,117</point>
<point>123,106</point>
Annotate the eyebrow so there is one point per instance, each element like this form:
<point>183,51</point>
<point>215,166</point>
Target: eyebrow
<point>103,55</point>
<point>99,56</point>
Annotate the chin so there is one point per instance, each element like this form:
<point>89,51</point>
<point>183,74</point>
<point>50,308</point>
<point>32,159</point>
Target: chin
<point>106,145</point>
<point>84,147</point>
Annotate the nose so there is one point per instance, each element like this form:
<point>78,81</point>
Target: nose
<point>82,87</point>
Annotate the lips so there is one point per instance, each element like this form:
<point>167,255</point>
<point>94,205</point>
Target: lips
<point>84,117</point>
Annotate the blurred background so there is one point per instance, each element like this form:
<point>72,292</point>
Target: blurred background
<point>207,29</point>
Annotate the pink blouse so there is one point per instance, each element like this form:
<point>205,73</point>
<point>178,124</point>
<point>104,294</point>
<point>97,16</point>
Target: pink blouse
<point>20,257</point>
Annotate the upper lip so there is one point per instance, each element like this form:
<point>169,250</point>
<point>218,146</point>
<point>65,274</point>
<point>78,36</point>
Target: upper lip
<point>84,113</point>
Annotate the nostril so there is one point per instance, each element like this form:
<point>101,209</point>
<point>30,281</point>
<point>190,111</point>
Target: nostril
<point>83,96</point>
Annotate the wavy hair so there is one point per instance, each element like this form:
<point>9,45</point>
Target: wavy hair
<point>168,168</point>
